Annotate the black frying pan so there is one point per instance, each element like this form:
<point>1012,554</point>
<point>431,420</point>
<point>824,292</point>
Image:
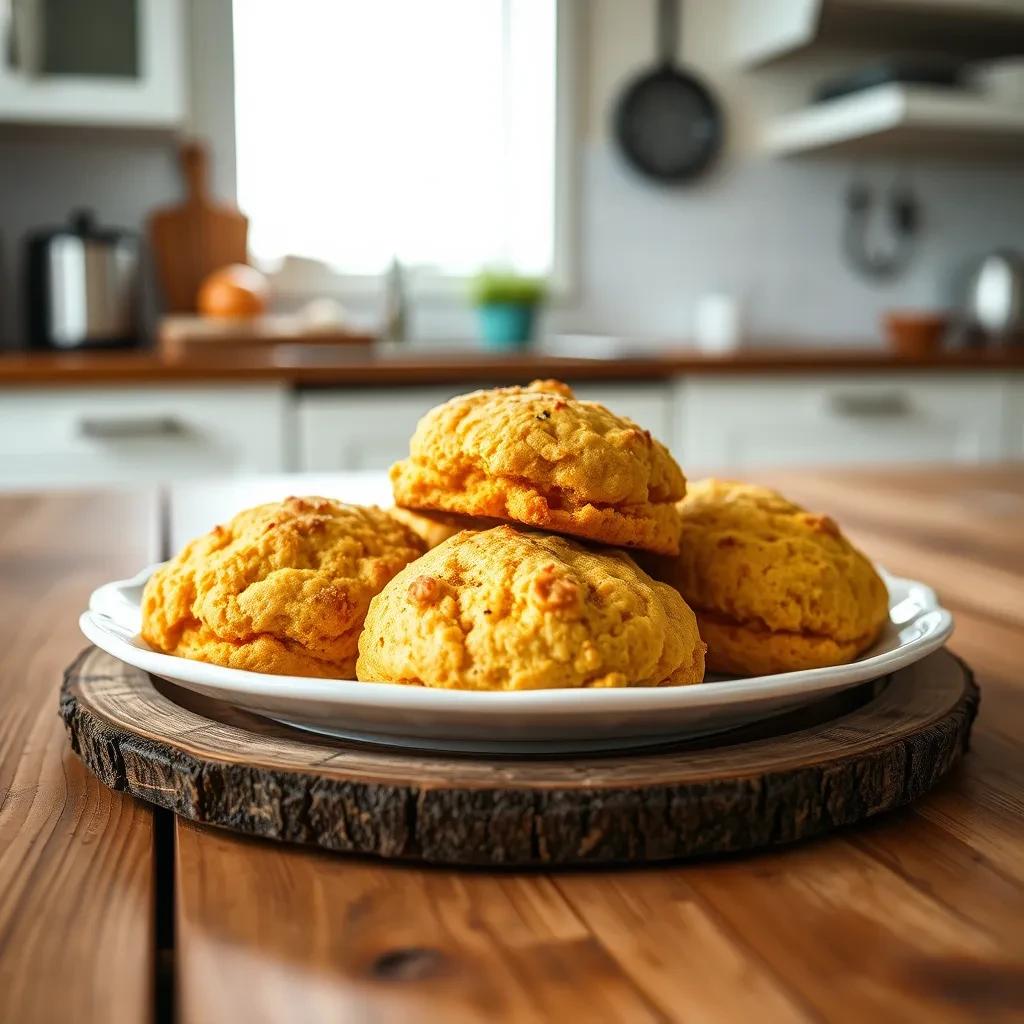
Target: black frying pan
<point>667,124</point>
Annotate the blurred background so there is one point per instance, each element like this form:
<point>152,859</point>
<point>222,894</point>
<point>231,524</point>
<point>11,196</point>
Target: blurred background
<point>256,238</point>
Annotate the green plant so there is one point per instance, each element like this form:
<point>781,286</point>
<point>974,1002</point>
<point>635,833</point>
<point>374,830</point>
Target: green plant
<point>493,287</point>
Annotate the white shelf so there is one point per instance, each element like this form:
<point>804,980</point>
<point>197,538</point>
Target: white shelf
<point>770,31</point>
<point>899,119</point>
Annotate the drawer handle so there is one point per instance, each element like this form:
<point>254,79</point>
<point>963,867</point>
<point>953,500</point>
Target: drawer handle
<point>111,428</point>
<point>889,404</point>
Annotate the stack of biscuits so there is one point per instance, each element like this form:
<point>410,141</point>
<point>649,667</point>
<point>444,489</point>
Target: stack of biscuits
<point>537,541</point>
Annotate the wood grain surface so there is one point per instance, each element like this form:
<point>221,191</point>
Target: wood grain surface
<point>915,915</point>
<point>857,754</point>
<point>76,859</point>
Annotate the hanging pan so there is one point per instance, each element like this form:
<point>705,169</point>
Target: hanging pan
<point>667,124</point>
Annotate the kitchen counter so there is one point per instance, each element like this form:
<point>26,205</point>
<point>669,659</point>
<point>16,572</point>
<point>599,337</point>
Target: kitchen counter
<point>111,906</point>
<point>315,366</point>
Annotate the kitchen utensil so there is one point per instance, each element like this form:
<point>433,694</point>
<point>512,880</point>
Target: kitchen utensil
<point>83,286</point>
<point>915,334</point>
<point>193,238</point>
<point>902,212</point>
<point>667,123</point>
<point>530,721</point>
<point>831,764</point>
<point>995,295</point>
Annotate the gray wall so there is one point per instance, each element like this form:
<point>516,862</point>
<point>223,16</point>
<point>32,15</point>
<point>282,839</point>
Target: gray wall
<point>769,232</point>
<point>46,174</point>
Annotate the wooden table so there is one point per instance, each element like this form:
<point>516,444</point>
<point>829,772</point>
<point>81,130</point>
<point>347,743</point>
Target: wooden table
<point>112,912</point>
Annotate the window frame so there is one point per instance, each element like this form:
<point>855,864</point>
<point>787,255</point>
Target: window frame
<point>296,280</point>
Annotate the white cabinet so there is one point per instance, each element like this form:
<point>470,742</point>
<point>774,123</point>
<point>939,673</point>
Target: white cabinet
<point>725,423</point>
<point>360,429</point>
<point>734,422</point>
<point>1015,418</point>
<point>370,429</point>
<point>85,437</point>
<point>101,62</point>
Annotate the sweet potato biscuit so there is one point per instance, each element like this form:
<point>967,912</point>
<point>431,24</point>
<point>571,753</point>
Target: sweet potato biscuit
<point>775,588</point>
<point>435,527</point>
<point>539,456</point>
<point>507,609</point>
<point>281,588</point>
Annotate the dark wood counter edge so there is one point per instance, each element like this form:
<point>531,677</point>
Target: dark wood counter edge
<point>70,370</point>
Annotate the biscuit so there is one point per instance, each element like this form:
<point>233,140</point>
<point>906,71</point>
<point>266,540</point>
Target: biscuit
<point>435,527</point>
<point>281,588</point>
<point>775,588</point>
<point>508,609</point>
<point>539,456</point>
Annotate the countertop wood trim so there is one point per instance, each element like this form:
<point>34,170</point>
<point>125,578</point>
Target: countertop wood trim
<point>320,369</point>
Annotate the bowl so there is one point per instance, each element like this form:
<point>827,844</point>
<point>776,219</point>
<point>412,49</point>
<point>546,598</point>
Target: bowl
<point>915,333</point>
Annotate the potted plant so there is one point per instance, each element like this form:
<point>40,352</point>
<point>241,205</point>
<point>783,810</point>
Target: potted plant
<point>507,305</point>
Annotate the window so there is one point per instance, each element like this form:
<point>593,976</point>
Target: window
<point>398,128</point>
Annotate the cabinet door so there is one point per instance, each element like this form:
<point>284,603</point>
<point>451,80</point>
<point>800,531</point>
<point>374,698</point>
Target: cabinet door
<point>113,436</point>
<point>93,62</point>
<point>360,429</point>
<point>729,423</point>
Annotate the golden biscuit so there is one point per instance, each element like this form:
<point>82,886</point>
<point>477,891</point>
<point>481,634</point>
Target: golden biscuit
<point>435,527</point>
<point>281,588</point>
<point>541,457</point>
<point>506,609</point>
<point>775,588</point>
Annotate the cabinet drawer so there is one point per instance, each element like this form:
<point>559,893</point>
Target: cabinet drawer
<point>116,436</point>
<point>735,422</point>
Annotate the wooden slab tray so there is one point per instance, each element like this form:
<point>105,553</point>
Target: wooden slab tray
<point>845,759</point>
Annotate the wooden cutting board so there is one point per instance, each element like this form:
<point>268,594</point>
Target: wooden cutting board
<point>186,338</point>
<point>194,237</point>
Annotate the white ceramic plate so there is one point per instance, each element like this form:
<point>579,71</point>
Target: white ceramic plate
<point>525,721</point>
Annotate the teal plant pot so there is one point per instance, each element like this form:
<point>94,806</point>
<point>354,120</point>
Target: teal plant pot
<point>506,325</point>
